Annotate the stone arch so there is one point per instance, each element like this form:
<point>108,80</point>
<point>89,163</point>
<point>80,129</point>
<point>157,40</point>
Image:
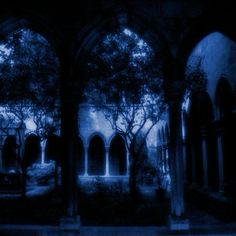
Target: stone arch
<point>97,134</point>
<point>9,154</point>
<point>199,133</point>
<point>117,156</point>
<point>91,34</point>
<point>15,21</point>
<point>220,43</point>
<point>198,30</point>
<point>32,150</point>
<point>96,155</point>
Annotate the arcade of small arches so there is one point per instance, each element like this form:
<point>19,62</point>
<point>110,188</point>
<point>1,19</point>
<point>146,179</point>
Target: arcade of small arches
<point>208,143</point>
<point>99,159</point>
<point>94,159</point>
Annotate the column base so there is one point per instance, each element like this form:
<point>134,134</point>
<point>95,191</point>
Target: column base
<point>70,223</point>
<point>178,224</point>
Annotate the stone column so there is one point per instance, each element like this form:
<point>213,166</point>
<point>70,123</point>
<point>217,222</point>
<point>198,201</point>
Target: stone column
<point>184,160</point>
<point>177,220</point>
<point>204,156</point>
<point>107,161</point>
<point>43,147</point>
<point>70,220</point>
<point>167,157</point>
<point>193,164</point>
<point>163,161</point>
<point>220,154</point>
<point>69,134</point>
<point>176,168</point>
<point>86,161</point>
<point>159,154</point>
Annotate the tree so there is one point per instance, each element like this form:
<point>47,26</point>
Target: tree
<point>29,84</point>
<point>125,83</point>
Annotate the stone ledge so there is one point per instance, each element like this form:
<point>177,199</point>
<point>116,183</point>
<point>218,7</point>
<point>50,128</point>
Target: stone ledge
<point>70,223</point>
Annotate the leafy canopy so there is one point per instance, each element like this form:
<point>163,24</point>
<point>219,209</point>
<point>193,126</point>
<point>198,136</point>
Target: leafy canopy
<point>125,81</point>
<point>28,69</point>
<point>28,80</point>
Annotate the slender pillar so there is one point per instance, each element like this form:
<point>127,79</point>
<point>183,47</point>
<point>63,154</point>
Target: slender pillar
<point>220,155</point>
<point>204,157</point>
<point>86,161</point>
<point>163,155</point>
<point>184,160</point>
<point>43,147</point>
<point>160,161</point>
<point>167,157</point>
<point>107,161</point>
<point>193,164</point>
<point>159,154</point>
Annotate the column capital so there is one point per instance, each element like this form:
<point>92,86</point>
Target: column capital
<point>71,89</point>
<point>218,126</point>
<point>174,91</point>
<point>203,131</point>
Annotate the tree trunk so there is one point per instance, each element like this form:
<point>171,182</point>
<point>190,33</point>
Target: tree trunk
<point>56,175</point>
<point>24,176</point>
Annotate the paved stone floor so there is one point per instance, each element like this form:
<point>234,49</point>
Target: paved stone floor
<point>29,230</point>
<point>202,223</point>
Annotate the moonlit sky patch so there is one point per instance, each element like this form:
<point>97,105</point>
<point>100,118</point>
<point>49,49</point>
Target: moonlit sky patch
<point>30,125</point>
<point>4,51</point>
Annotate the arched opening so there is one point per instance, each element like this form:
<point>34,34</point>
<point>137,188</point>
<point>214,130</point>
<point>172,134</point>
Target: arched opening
<point>201,159</point>
<point>96,156</point>
<point>29,83</point>
<point>208,62</point>
<point>80,156</point>
<point>32,150</point>
<point>124,81</point>
<point>9,154</point>
<point>225,103</point>
<point>224,99</point>
<point>117,156</point>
